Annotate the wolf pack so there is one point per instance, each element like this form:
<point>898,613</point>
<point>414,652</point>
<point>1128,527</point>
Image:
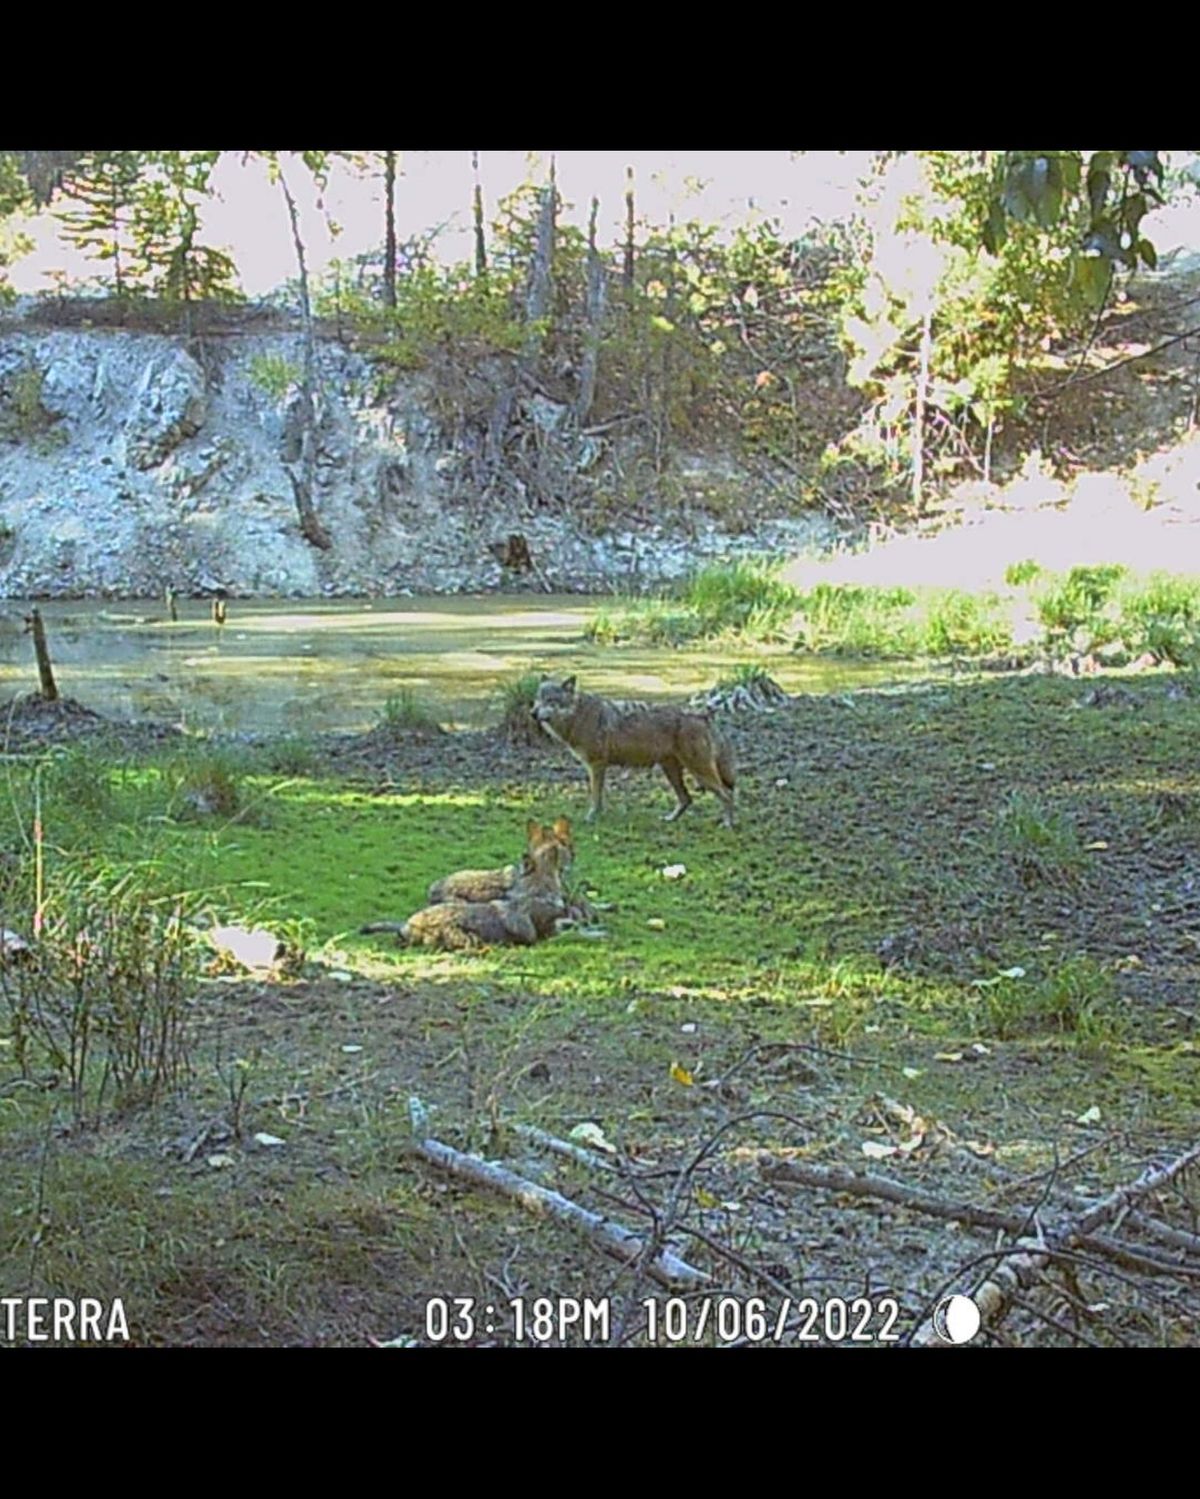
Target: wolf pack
<point>526,902</point>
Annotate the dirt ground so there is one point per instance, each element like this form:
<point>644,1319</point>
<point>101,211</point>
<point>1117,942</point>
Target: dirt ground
<point>884,970</point>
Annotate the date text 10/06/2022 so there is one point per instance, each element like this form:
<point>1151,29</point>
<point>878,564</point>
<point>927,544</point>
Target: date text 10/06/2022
<point>706,1319</point>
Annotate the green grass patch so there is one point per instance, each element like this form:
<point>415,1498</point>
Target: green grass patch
<point>746,599</point>
<point>406,712</point>
<point>1040,844</point>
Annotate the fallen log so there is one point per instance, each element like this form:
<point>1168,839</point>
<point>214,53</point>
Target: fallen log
<point>610,1237</point>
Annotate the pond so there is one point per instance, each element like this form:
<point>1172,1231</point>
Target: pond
<point>300,666</point>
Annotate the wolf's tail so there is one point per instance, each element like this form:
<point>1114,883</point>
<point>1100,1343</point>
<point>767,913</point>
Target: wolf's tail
<point>725,764</point>
<point>400,927</point>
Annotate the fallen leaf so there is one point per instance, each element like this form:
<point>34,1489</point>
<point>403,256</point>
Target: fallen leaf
<point>673,871</point>
<point>682,1075</point>
<point>1098,846</point>
<point>264,1139</point>
<point>1016,972</point>
<point>947,1056</point>
<point>705,1199</point>
<point>875,1150</point>
<point>911,1072</point>
<point>217,1161</point>
<point>350,1050</point>
<point>591,1134</point>
<point>656,924</point>
<point>689,1029</point>
<point>1089,1116</point>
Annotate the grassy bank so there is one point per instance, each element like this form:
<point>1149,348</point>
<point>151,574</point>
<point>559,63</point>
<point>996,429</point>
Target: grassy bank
<point>1104,610</point>
<point>972,899</point>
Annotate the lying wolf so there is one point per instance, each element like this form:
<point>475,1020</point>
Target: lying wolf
<point>600,733</point>
<point>495,884</point>
<point>532,909</point>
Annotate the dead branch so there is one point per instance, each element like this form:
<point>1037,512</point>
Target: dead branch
<point>612,1238</point>
<point>552,1143</point>
<point>863,1184</point>
<point>1019,1269</point>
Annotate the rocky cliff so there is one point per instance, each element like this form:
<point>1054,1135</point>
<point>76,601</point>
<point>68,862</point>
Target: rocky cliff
<point>133,460</point>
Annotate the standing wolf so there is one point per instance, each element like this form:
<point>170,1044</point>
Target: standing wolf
<point>600,733</point>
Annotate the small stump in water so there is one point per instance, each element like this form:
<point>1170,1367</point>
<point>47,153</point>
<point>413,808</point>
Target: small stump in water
<point>35,627</point>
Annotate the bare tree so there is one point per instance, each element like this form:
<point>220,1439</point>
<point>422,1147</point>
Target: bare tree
<point>477,205</point>
<point>303,482</point>
<point>389,208</point>
<point>595,317</point>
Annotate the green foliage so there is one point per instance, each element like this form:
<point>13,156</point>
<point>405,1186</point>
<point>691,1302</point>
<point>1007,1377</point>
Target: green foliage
<point>1004,253</point>
<point>273,374</point>
<point>655,621</point>
<point>1043,188</point>
<point>958,623</point>
<point>138,211</point>
<point>1075,999</point>
<point>1040,844</point>
<point>1081,607</point>
<point>405,712</point>
<point>1016,574</point>
<point>14,198</point>
<point>165,225</point>
<point>23,418</point>
<point>103,995</point>
<point>290,755</point>
<point>444,317</point>
<point>1163,615</point>
<point>96,211</point>
<point>745,598</point>
<point>745,674</point>
<point>856,621</point>
<point>206,782</point>
<point>516,696</point>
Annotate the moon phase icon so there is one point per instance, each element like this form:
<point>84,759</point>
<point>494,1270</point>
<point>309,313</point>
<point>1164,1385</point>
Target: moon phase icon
<point>956,1319</point>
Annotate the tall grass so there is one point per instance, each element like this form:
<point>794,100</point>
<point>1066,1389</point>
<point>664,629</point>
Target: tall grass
<point>102,996</point>
<point>1097,608</point>
<point>745,598</point>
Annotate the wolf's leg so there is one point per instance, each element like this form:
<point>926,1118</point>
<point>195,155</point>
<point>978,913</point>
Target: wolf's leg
<point>715,781</point>
<point>673,770</point>
<point>596,782</point>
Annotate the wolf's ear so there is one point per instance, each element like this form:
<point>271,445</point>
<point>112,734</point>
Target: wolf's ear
<point>562,829</point>
<point>569,685</point>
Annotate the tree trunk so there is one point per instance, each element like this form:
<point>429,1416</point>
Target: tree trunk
<point>627,276</point>
<point>537,306</point>
<point>541,282</point>
<point>303,482</point>
<point>480,242</point>
<point>595,316</point>
<point>918,472</point>
<point>389,250</point>
<point>35,627</point>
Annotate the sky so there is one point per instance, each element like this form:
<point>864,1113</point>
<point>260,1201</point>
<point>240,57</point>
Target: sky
<point>249,217</point>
